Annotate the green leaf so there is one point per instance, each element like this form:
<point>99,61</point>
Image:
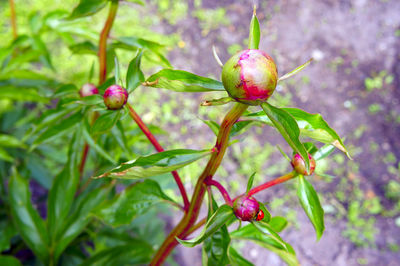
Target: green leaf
<point>7,232</point>
<point>117,72</point>
<point>216,102</point>
<point>288,128</point>
<point>26,219</point>
<point>250,182</point>
<point>11,141</point>
<point>295,71</point>
<point>265,228</point>
<point>64,187</point>
<point>92,143</point>
<point>137,252</point>
<point>57,129</point>
<point>317,128</point>
<point>85,47</point>
<point>156,164</point>
<point>236,259</point>
<point>311,125</point>
<point>249,232</point>
<point>254,35</point>
<point>130,203</point>
<point>310,202</point>
<point>182,81</point>
<point>9,261</point>
<point>215,248</point>
<point>237,128</point>
<point>267,214</point>
<point>323,152</point>
<point>5,156</point>
<point>21,94</point>
<point>278,223</point>
<point>87,8</point>
<point>105,122</point>
<point>79,218</point>
<point>212,125</point>
<point>221,216</point>
<point>134,76</point>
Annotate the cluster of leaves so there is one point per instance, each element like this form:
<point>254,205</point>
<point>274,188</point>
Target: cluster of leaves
<point>82,216</point>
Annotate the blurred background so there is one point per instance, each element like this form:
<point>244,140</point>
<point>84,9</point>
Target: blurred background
<point>354,82</point>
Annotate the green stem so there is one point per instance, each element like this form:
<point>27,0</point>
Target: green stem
<point>189,219</point>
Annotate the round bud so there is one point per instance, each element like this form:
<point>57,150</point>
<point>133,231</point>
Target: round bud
<point>250,76</point>
<point>260,215</point>
<point>299,164</point>
<point>246,208</point>
<point>115,97</point>
<point>88,89</point>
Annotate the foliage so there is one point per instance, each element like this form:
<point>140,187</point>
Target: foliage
<point>104,185</point>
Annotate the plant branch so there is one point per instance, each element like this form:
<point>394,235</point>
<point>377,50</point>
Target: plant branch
<point>159,148</point>
<point>271,183</point>
<point>188,220</point>
<point>13,19</point>
<point>103,40</point>
<point>197,226</point>
<point>103,68</point>
<point>220,187</point>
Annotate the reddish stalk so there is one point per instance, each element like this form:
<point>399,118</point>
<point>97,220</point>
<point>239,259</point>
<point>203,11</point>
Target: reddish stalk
<point>271,183</point>
<point>13,19</point>
<point>188,220</point>
<point>159,148</point>
<point>225,194</point>
<point>103,67</point>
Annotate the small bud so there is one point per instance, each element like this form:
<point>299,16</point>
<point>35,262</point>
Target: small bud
<point>299,165</point>
<point>246,208</point>
<point>88,89</point>
<point>250,76</point>
<point>260,215</point>
<point>115,97</point>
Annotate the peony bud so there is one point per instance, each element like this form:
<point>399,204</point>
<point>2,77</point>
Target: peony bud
<point>299,165</point>
<point>115,97</point>
<point>246,208</point>
<point>250,76</point>
<point>88,90</point>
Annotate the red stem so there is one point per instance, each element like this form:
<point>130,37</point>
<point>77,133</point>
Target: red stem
<point>103,40</point>
<point>103,67</point>
<point>225,194</point>
<point>189,219</point>
<point>13,19</point>
<point>159,148</point>
<point>271,183</point>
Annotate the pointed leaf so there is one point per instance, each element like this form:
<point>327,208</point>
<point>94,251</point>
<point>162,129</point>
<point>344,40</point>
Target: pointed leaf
<point>134,76</point>
<point>105,122</point>
<point>26,219</point>
<point>222,215</point>
<point>62,192</point>
<point>310,202</point>
<point>21,94</point>
<point>250,182</point>
<point>295,71</point>
<point>288,128</point>
<point>182,81</point>
<point>323,152</point>
<point>156,164</point>
<point>87,8</point>
<point>79,218</point>
<point>249,232</point>
<point>236,259</point>
<point>9,261</point>
<point>137,252</point>
<point>98,148</point>
<point>117,72</point>
<point>215,102</point>
<point>11,141</point>
<point>254,35</point>
<point>278,223</point>
<point>131,202</point>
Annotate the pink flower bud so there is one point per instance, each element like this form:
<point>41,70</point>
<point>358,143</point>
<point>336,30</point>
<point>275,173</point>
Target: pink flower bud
<point>88,89</point>
<point>299,165</point>
<point>115,97</point>
<point>246,208</point>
